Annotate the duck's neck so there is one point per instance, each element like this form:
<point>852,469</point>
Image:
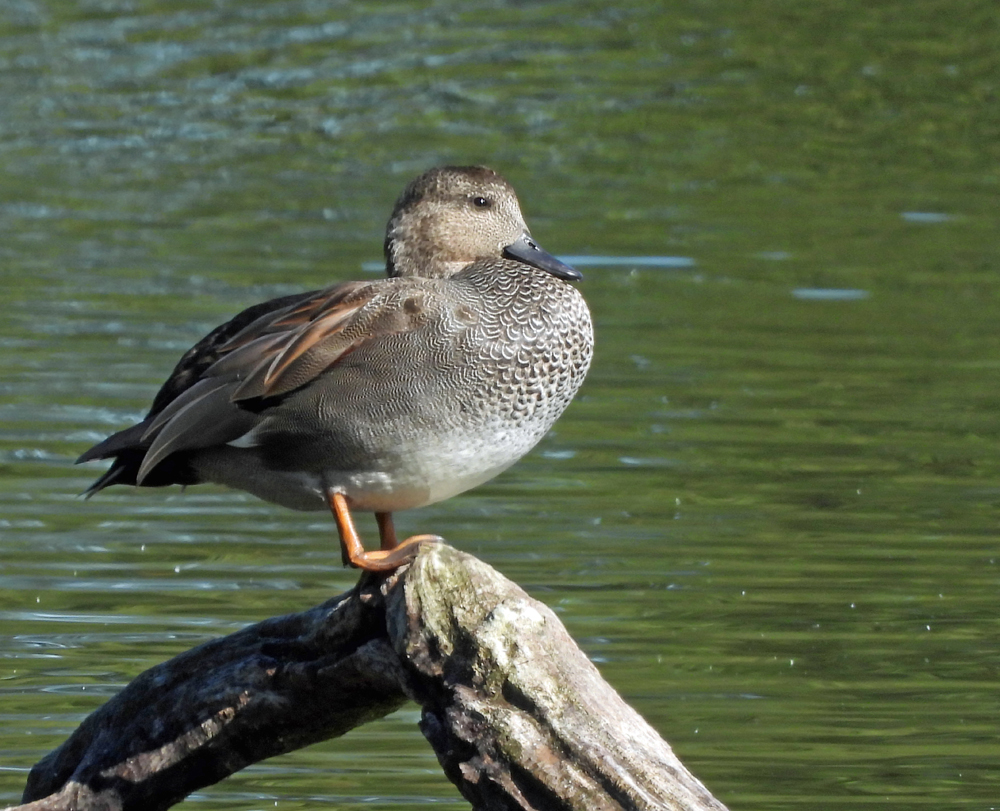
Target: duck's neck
<point>409,251</point>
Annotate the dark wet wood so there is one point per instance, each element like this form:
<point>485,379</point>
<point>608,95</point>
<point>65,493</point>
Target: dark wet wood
<point>517,714</point>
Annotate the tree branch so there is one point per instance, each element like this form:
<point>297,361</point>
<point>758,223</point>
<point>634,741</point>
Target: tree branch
<point>517,714</point>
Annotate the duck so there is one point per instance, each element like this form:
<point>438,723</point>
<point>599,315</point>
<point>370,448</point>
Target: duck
<point>381,395</point>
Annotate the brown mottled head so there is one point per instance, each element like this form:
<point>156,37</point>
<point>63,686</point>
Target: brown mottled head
<point>451,216</point>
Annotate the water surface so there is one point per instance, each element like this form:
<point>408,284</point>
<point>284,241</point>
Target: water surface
<point>771,516</point>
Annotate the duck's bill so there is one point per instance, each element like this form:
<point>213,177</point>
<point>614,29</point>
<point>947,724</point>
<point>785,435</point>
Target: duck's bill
<point>525,250</point>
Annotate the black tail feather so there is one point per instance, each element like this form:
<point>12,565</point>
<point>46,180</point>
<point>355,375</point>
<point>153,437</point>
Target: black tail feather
<point>123,471</point>
<point>124,441</point>
<point>175,469</point>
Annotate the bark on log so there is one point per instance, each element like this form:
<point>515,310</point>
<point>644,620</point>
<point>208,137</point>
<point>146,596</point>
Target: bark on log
<point>517,714</point>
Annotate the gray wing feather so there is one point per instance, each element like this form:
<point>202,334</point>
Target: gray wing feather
<point>205,416</point>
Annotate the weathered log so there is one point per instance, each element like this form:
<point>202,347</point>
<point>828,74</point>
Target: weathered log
<point>517,714</point>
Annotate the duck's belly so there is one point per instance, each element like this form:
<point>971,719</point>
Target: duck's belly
<point>384,479</point>
<point>404,489</point>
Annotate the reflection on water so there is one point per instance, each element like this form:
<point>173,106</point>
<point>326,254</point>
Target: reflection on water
<point>827,294</point>
<point>631,261</point>
<point>771,516</point>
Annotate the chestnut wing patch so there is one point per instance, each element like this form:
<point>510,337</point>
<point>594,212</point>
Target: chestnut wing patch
<point>314,341</point>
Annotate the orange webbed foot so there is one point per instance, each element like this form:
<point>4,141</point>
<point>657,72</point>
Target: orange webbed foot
<point>392,553</point>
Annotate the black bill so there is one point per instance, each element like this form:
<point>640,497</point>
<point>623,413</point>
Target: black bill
<point>526,250</point>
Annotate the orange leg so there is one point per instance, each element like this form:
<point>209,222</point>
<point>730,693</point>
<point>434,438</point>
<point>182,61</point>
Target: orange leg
<point>386,531</point>
<point>390,557</point>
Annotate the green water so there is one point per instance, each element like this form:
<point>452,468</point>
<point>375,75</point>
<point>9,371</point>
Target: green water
<point>772,515</point>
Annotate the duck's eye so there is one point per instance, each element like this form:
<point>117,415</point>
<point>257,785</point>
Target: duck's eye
<point>481,202</point>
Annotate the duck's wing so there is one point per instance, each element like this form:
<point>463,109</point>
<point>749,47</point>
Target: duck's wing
<point>282,352</point>
<point>189,370</point>
<point>195,409</point>
<point>218,342</point>
<point>277,354</point>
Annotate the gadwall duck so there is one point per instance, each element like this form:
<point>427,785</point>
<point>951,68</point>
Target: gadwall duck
<point>379,395</point>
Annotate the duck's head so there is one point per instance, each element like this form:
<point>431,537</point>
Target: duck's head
<point>451,216</point>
